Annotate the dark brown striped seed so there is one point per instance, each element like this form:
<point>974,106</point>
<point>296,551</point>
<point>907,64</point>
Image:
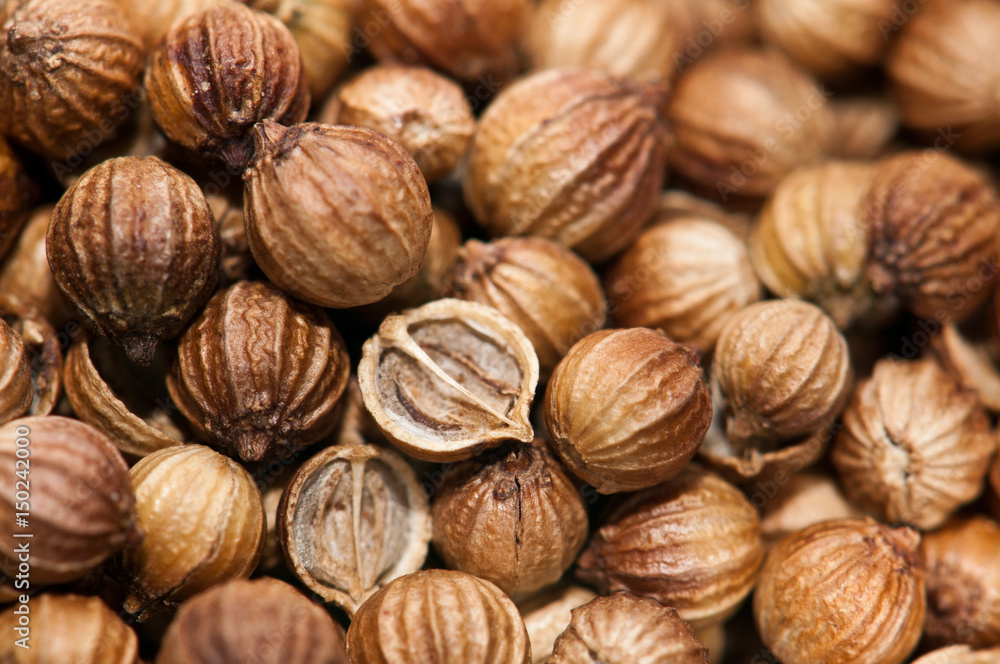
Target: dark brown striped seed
<point>219,72</point>
<point>134,249</point>
<point>259,373</point>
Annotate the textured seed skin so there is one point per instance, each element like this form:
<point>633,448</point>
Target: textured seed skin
<point>865,573</point>
<point>832,39</point>
<point>42,346</point>
<point>783,368</point>
<point>963,582</point>
<point>472,41</point>
<point>933,223</point>
<point>915,445</point>
<point>258,373</point>
<point>15,375</point>
<point>335,215</point>
<point>548,613</point>
<point>960,655</point>
<point>573,155</point>
<point>735,105</point>
<point>942,74</point>
<point>627,409</point>
<point>511,516</point>
<point>664,543</point>
<point>83,508</point>
<point>685,276</point>
<point>265,621</point>
<point>198,533</point>
<point>69,70</point>
<point>153,18</point>
<point>442,616</point>
<point>70,628</point>
<point>324,33</point>
<point>627,629</point>
<point>420,109</point>
<point>120,401</point>
<point>429,282</point>
<point>134,250</point>
<point>219,72</point>
<point>621,37</point>
<point>810,240</point>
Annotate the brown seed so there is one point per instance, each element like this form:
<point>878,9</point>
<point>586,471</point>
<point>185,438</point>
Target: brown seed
<point>134,250</point>
<point>475,42</point>
<point>323,31</point>
<point>198,533</point>
<point>811,242</point>
<point>68,628</point>
<point>573,155</point>
<point>627,409</point>
<point>335,215</point>
<point>68,69</point>
<point>438,615</point>
<point>26,273</point>
<point>933,223</point>
<point>963,583</point>
<point>782,370</point>
<point>353,518</point>
<point>449,379</point>
<point>831,38</point>
<point>685,276</point>
<point>547,614</point>
<point>219,72</point>
<point>550,292</point>
<point>915,446</point>
<point>82,507</point>
<point>842,591</point>
<point>42,350</point>
<point>258,373</point>
<point>692,543</point>
<point>623,38</point>
<point>943,74</point>
<point>781,375</point>
<point>511,516</point>
<point>264,621</point>
<point>125,402</point>
<point>626,629</point>
<point>16,391</point>
<point>734,114</point>
<point>421,110</point>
